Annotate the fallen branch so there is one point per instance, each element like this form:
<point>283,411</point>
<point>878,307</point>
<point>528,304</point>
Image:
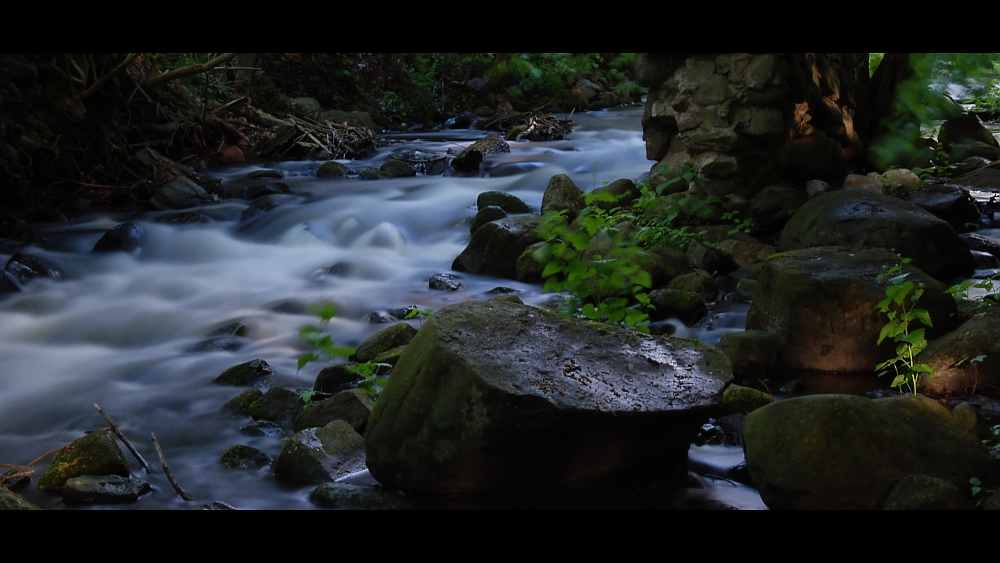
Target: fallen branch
<point>23,469</point>
<point>166,470</point>
<point>187,71</point>
<point>121,436</point>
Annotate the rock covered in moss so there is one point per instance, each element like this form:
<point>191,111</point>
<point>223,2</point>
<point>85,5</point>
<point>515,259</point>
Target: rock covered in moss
<point>488,388</point>
<point>485,215</point>
<point>277,405</point>
<point>923,492</point>
<point>242,456</point>
<point>317,455</point>
<point>398,169</point>
<point>563,195</point>
<point>398,334</point>
<point>332,379</point>
<point>331,169</point>
<point>244,373</point>
<point>740,399</point>
<point>965,359</point>
<point>9,500</point>
<point>848,452</point>
<point>240,404</point>
<point>496,246</point>
<point>96,453</point>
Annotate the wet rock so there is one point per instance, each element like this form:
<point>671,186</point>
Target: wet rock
<point>983,244</point>
<point>258,174</point>
<point>963,130</point>
<point>259,428</point>
<point>444,282</point>
<point>245,457</point>
<point>96,453</point>
<point>966,359</point>
<point>180,193</point>
<point>331,169</point>
<point>505,201</point>
<point>124,237</point>
<point>677,303</point>
<point>488,388</point>
<point>103,488</point>
<point>859,219</point>
<point>26,268</point>
<point>352,406</point>
<point>257,208</point>
<point>848,452</point>
<point>820,302</point>
<point>701,283</point>
<point>10,500</point>
<point>562,194</point>
<point>398,169</point>
<point>753,353</point>
<point>218,344</point>
<point>244,373</point>
<point>344,496</point>
<point>333,379</point>
<point>278,405</point>
<point>260,190</point>
<point>398,334</point>
<point>496,246</point>
<point>317,455</point>
<point>240,404</point>
<point>948,202</point>
<point>369,175</point>
<point>8,283</point>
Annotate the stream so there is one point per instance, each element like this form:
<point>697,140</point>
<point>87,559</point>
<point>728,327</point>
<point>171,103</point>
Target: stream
<point>117,329</point>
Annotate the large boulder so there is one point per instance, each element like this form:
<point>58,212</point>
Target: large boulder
<point>965,359</point>
<point>498,396</point>
<point>847,452</point>
<point>821,303</point>
<point>861,219</point>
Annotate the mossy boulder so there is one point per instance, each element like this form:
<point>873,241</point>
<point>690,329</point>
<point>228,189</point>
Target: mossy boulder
<point>740,399</point>
<point>753,353</point>
<point>277,405</point>
<point>848,452</point>
<point>96,453</point>
<point>244,373</point>
<point>923,492</point>
<point>687,306</point>
<point>489,388</point>
<point>820,302</point>
<point>331,169</point>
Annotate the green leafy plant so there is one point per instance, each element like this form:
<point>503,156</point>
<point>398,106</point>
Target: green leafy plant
<point>322,342</point>
<point>611,289</point>
<point>899,306</point>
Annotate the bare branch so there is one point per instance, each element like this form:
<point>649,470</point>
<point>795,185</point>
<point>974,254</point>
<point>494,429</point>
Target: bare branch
<point>121,436</point>
<point>187,71</point>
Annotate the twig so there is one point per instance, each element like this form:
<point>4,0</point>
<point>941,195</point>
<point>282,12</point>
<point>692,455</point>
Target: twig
<point>121,436</point>
<point>188,70</point>
<point>23,469</point>
<point>166,470</point>
<point>100,81</point>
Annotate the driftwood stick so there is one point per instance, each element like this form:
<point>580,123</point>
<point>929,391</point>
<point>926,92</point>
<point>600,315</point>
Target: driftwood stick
<point>166,470</point>
<point>121,436</point>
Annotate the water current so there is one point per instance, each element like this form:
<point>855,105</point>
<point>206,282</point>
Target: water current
<point>116,328</point>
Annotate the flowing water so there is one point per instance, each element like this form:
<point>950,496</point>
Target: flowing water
<point>116,328</point>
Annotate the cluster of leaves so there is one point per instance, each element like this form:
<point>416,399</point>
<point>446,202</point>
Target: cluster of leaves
<point>612,287</point>
<point>899,305</point>
<point>323,345</point>
<point>961,294</point>
<point>942,165</point>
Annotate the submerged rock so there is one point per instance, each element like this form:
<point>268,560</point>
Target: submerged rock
<point>316,455</point>
<point>244,373</point>
<point>500,396</point>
